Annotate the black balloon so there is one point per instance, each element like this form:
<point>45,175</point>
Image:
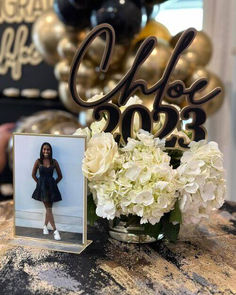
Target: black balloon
<point>71,15</point>
<point>151,10</point>
<point>124,15</point>
<point>153,2</point>
<point>86,4</point>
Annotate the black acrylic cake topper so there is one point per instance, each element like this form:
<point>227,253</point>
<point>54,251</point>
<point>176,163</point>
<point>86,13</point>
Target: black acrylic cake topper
<point>128,85</point>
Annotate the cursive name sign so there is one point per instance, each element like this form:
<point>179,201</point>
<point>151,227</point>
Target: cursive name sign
<point>128,85</point>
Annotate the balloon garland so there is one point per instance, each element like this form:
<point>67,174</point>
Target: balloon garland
<point>58,33</point>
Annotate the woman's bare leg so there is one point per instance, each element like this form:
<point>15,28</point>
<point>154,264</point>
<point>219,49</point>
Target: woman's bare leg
<point>49,216</point>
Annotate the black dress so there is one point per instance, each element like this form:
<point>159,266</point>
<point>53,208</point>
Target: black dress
<point>46,189</point>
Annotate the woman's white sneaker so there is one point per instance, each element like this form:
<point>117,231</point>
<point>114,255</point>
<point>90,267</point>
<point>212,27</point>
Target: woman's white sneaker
<point>45,230</point>
<point>57,235</point>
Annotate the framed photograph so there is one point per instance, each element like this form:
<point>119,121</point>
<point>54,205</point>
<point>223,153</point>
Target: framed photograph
<point>50,192</point>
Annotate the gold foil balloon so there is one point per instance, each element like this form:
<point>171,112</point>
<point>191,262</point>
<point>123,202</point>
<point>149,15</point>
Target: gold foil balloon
<point>153,28</point>
<point>152,69</point>
<point>182,69</point>
<point>65,128</point>
<point>111,83</point>
<point>200,72</point>
<point>67,47</point>
<point>213,81</point>
<point>192,59</point>
<point>44,121</point>
<point>86,75</point>
<point>201,46</point>
<point>62,70</point>
<point>67,99</point>
<point>96,50</point>
<point>46,33</point>
<point>89,93</point>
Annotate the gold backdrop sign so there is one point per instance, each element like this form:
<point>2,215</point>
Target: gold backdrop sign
<point>18,54</point>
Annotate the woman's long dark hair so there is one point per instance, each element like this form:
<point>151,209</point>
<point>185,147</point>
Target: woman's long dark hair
<point>41,153</point>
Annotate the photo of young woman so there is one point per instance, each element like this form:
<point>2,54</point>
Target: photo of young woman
<point>50,190</point>
<point>46,190</point>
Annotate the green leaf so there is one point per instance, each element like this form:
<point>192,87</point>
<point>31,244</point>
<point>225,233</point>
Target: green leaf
<point>175,215</point>
<point>91,210</point>
<point>152,230</point>
<point>170,230</point>
<point>133,220</point>
<point>115,221</point>
<point>175,157</point>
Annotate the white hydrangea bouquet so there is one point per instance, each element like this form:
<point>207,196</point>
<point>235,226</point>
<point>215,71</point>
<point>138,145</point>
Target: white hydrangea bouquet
<point>145,183</point>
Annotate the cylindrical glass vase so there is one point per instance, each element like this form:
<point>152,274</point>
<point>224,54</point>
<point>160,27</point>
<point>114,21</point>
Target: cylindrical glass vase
<point>133,233</point>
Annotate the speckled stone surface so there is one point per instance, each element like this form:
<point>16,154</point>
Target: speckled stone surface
<point>203,261</point>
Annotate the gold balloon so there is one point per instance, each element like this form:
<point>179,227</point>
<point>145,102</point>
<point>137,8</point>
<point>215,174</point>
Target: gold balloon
<point>148,100</point>
<point>201,46</point>
<point>65,128</point>
<point>192,59</point>
<point>199,73</point>
<point>62,71</point>
<point>89,93</point>
<point>111,83</point>
<point>86,75</point>
<point>213,81</point>
<point>67,99</point>
<point>153,67</point>
<point>67,47</point>
<point>182,69</point>
<point>75,35</point>
<point>153,28</point>
<point>47,31</point>
<point>96,50</point>
<point>44,121</point>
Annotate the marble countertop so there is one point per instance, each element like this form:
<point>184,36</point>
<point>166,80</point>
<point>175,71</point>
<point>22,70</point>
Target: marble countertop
<point>203,261</point>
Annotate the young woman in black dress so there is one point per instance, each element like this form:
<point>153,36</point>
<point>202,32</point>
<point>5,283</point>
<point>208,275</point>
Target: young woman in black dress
<point>46,190</point>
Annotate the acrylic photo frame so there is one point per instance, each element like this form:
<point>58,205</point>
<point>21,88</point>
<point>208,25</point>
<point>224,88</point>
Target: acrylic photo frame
<point>69,213</point>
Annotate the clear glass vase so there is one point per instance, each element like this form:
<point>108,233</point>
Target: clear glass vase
<point>132,233</point>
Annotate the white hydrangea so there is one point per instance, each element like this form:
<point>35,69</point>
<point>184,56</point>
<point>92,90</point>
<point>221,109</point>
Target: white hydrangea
<point>141,183</point>
<point>83,131</point>
<point>201,181</point>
